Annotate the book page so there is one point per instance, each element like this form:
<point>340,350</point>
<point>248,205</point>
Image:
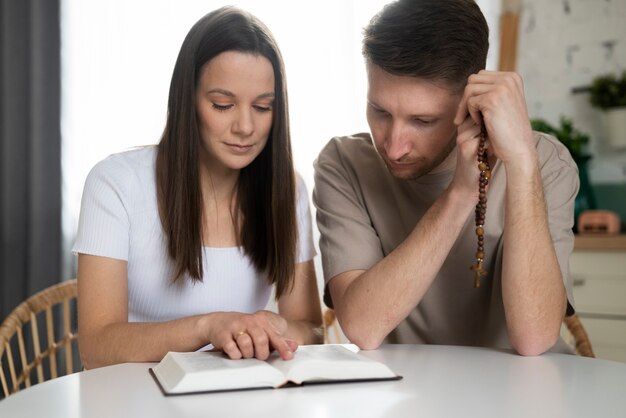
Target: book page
<point>212,371</point>
<point>318,363</point>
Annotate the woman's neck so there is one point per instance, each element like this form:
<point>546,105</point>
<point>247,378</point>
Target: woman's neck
<point>219,194</point>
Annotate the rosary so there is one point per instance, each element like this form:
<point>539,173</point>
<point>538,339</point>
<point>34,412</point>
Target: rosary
<point>481,209</point>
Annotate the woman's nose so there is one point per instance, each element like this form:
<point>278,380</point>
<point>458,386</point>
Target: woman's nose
<point>244,123</point>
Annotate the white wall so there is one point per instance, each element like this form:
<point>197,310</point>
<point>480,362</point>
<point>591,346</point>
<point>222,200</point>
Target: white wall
<point>563,45</point>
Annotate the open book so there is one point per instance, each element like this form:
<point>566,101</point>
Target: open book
<point>180,373</point>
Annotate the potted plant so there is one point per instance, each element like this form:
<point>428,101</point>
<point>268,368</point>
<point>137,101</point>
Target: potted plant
<point>608,93</point>
<point>574,140</point>
<point>576,143</point>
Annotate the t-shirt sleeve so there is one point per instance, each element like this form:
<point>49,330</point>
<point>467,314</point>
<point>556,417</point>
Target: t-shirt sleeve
<point>560,189</point>
<point>306,248</point>
<point>348,241</point>
<point>103,225</point>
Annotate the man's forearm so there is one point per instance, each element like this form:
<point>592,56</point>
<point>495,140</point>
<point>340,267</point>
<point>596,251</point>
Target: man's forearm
<point>374,303</point>
<point>532,285</point>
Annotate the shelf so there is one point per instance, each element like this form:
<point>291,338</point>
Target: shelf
<point>600,242</point>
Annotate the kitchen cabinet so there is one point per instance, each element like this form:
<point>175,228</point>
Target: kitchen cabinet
<point>598,273</point>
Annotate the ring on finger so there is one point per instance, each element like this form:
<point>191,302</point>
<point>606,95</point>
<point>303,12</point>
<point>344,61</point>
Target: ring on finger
<point>239,334</point>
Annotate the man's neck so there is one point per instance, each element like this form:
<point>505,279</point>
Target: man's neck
<point>449,163</point>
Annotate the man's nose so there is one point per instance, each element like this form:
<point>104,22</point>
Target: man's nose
<point>398,144</point>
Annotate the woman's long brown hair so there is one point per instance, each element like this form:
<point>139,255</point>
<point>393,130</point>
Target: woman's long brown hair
<point>266,187</point>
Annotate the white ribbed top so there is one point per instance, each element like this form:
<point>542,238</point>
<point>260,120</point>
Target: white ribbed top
<point>119,219</point>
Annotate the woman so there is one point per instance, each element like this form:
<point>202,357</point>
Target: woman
<point>179,245</point>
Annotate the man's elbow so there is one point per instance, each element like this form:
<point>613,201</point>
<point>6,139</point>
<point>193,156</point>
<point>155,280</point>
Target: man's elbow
<point>529,347</point>
<point>364,338</point>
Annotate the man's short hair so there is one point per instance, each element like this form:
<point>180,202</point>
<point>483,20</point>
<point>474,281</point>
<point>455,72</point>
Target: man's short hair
<point>439,40</point>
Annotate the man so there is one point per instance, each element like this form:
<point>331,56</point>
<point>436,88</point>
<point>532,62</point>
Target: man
<point>396,209</point>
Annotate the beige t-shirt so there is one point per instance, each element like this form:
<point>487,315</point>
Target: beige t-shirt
<point>364,213</point>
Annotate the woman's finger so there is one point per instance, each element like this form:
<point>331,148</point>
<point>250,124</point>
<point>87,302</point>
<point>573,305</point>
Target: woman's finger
<point>280,344</point>
<point>260,342</point>
<point>244,343</point>
<point>230,348</point>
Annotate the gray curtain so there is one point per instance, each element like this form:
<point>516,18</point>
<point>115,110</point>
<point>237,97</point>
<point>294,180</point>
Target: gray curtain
<point>30,149</point>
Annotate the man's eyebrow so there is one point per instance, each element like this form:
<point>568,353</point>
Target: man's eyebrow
<point>371,103</point>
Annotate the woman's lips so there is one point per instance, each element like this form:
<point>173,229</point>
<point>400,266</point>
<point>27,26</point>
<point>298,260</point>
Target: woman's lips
<point>239,149</point>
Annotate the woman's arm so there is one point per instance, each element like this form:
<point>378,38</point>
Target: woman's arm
<point>301,307</point>
<point>106,337</point>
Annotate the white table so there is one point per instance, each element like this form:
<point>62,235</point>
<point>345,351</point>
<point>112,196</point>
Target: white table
<point>439,381</point>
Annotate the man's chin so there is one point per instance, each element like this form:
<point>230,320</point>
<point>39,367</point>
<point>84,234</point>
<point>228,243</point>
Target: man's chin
<point>408,172</point>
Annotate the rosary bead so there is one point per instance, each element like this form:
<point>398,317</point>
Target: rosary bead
<point>481,209</point>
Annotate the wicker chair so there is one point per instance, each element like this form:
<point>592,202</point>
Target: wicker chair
<point>55,303</point>
<point>578,337</point>
<point>330,322</point>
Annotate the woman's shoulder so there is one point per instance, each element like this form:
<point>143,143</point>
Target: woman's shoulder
<point>125,173</point>
<point>139,157</point>
<point>299,181</point>
<point>137,162</point>
<point>302,191</point>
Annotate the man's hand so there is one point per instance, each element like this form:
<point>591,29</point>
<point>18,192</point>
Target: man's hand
<point>467,174</point>
<point>496,99</point>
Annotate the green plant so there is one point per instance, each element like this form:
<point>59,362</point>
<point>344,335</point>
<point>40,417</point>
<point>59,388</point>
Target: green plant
<point>608,91</point>
<point>573,139</point>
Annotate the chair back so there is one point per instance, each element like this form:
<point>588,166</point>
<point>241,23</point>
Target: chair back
<point>578,337</point>
<point>38,332</point>
<point>332,331</point>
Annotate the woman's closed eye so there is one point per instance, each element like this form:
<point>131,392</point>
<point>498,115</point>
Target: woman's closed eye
<point>222,108</point>
<point>263,108</point>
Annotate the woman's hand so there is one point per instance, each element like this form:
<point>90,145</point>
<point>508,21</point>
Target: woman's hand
<point>250,335</point>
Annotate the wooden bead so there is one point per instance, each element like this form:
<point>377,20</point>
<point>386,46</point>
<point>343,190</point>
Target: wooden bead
<point>481,208</point>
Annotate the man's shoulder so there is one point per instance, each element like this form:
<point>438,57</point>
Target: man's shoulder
<point>342,144</point>
<point>553,155</point>
<point>351,150</point>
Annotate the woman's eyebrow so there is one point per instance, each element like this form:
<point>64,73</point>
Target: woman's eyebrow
<point>221,91</point>
<point>268,95</point>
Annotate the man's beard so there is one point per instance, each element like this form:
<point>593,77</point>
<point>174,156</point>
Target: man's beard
<point>422,166</point>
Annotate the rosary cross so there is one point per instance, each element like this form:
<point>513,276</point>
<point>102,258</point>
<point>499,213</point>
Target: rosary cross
<point>479,273</point>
